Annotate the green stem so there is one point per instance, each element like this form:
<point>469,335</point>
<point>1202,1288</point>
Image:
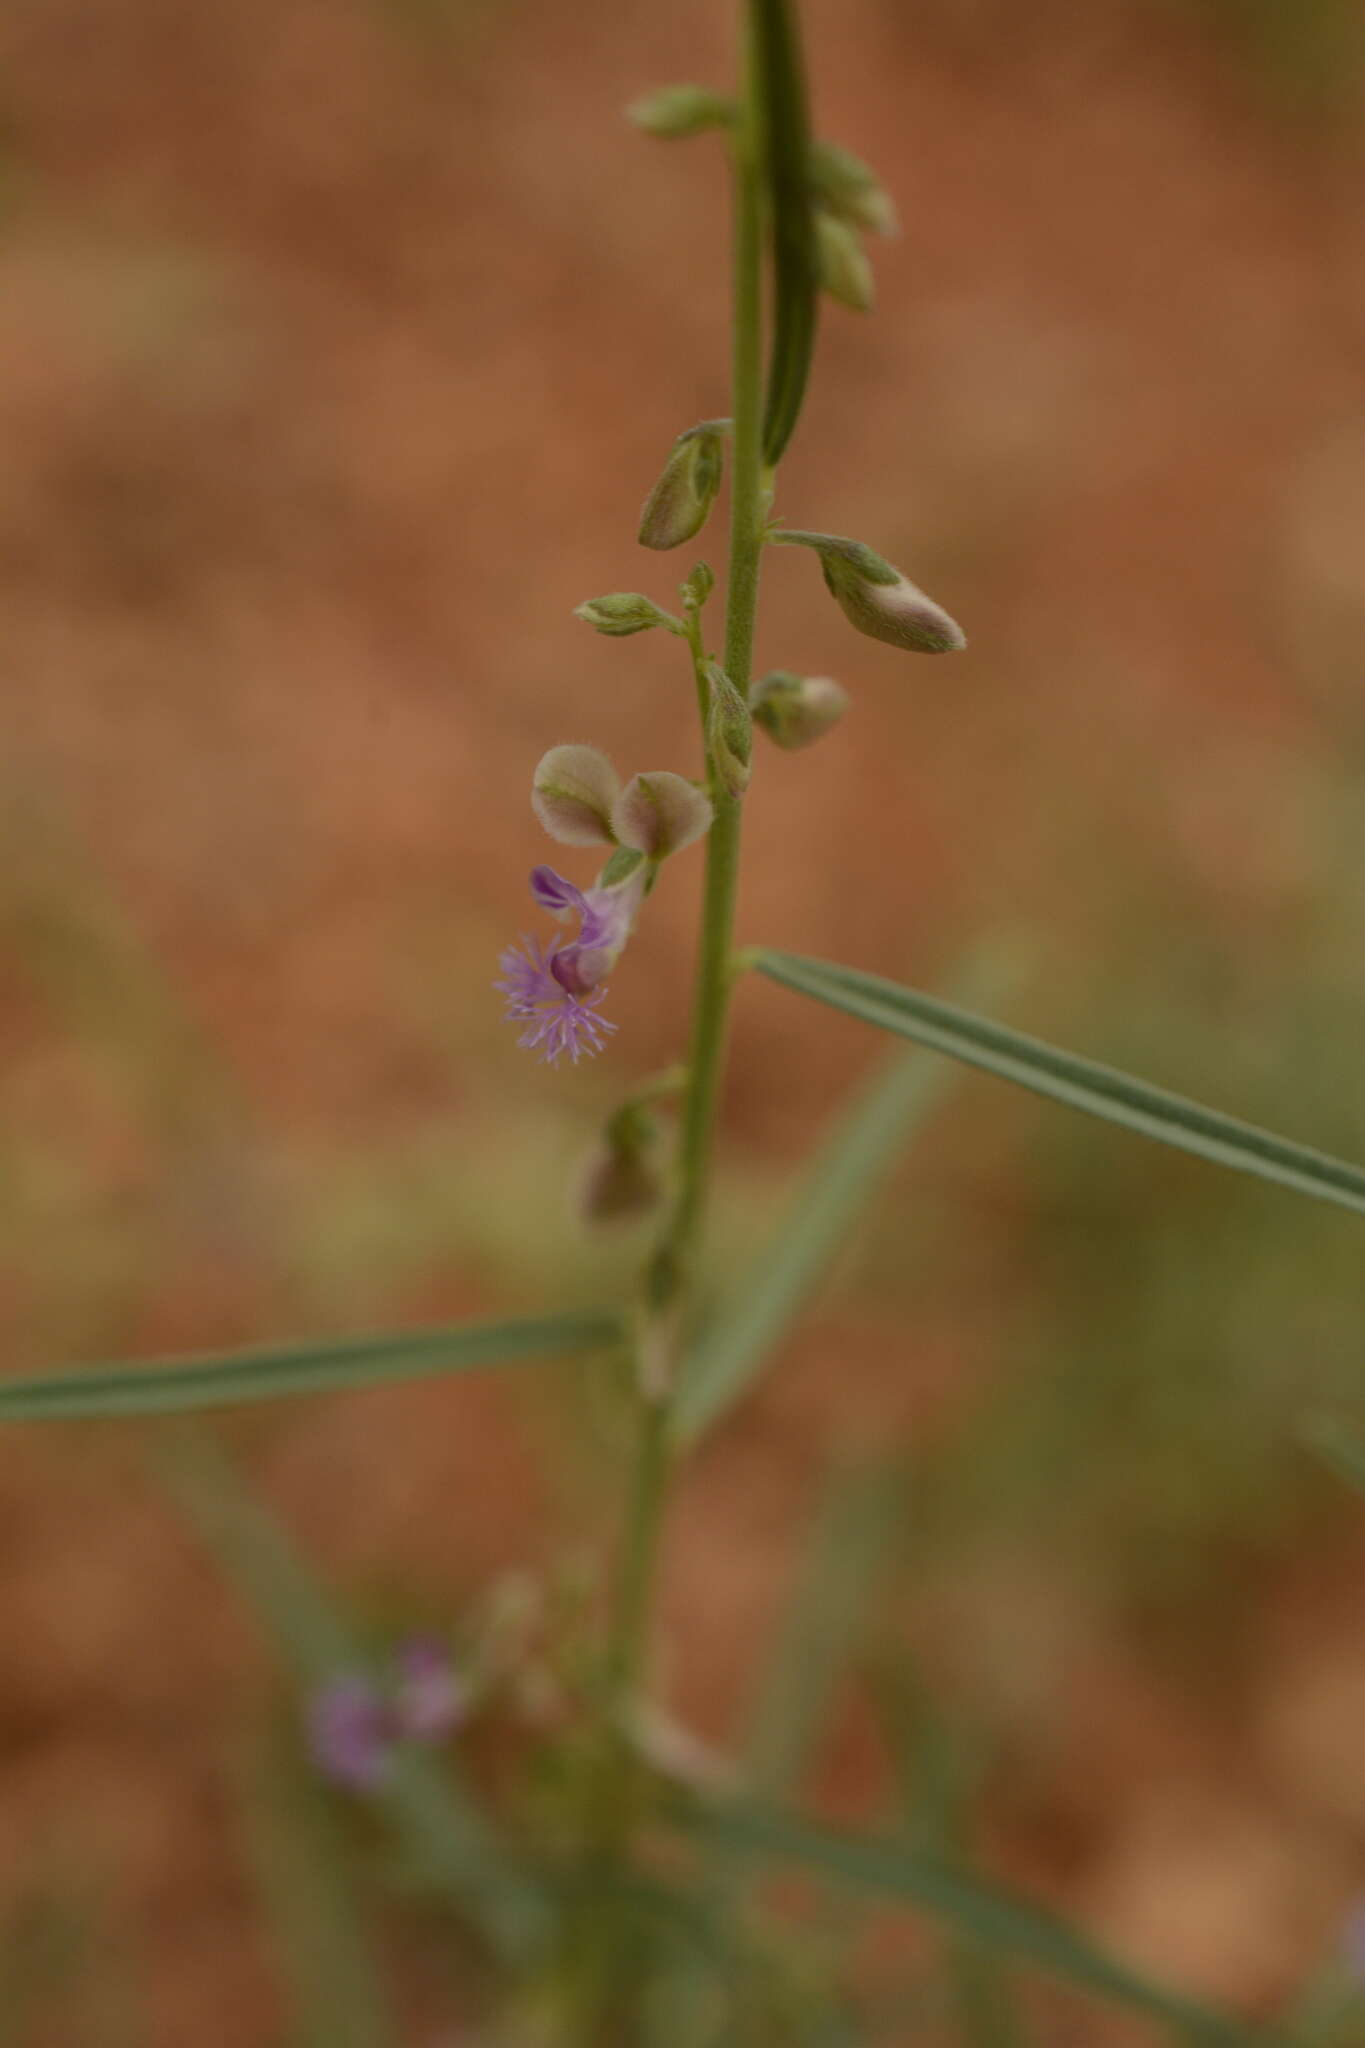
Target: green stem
<point>613,1794</point>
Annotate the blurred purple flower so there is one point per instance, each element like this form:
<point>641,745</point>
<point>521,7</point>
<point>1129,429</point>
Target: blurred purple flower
<point>555,994</point>
<point>430,1699</point>
<point>351,1732</point>
<point>355,1724</point>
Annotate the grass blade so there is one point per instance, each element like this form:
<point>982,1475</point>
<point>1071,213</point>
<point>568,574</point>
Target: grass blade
<point>1067,1078</point>
<point>970,1907</point>
<point>271,1372</point>
<point>424,1799</point>
<point>847,1173</point>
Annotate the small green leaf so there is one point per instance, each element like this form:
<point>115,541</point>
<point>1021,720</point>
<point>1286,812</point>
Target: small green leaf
<point>972,1908</point>
<point>779,78</point>
<point>269,1372</point>
<point>1067,1078</point>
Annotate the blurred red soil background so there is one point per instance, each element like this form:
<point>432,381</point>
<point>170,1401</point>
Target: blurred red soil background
<point>338,345</point>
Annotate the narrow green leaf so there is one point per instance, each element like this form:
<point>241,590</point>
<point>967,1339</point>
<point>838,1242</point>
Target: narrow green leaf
<point>1065,1077</point>
<point>779,77</point>
<point>270,1372</point>
<point>844,1178</point>
<point>1343,1450</point>
<point>426,1801</point>
<point>1011,1926</point>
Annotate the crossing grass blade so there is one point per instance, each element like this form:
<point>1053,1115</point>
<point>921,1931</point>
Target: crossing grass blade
<point>1067,1078</point>
<point>843,1179</point>
<point>430,1809</point>
<point>274,1372</point>
<point>977,1911</point>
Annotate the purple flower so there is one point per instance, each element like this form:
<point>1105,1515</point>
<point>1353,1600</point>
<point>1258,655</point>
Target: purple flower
<point>1353,1942</point>
<point>351,1732</point>
<point>430,1700</point>
<point>355,1723</point>
<point>555,994</point>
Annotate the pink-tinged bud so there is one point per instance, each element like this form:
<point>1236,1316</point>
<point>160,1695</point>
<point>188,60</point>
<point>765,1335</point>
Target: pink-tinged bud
<point>573,792</point>
<point>876,598</point>
<point>678,505</point>
<point>660,813</point>
<point>676,111</point>
<point>795,710</point>
<point>845,272</point>
<point>849,188</point>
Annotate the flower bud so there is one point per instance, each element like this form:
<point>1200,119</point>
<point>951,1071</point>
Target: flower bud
<point>851,189</point>
<point>620,1178</point>
<point>624,611</point>
<point>845,272</point>
<point>876,598</point>
<point>678,505</point>
<point>572,793</point>
<point>676,111</point>
<point>795,710</point>
<point>729,732</point>
<point>660,813</point>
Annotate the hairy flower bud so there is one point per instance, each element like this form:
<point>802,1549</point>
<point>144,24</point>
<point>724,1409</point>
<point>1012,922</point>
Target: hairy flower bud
<point>795,710</point>
<point>876,598</point>
<point>624,611</point>
<point>845,272</point>
<point>572,793</point>
<point>849,188</point>
<point>676,111</point>
<point>678,505</point>
<point>729,732</point>
<point>660,813</point>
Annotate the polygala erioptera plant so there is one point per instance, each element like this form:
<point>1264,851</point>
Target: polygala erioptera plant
<point>600,1944</point>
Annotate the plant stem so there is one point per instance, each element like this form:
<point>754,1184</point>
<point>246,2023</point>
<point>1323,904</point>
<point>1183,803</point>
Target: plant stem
<point>671,1279</point>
